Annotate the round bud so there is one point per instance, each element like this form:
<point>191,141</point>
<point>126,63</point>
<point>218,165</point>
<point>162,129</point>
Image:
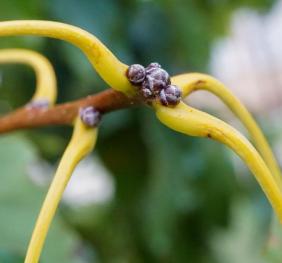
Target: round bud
<point>152,66</point>
<point>148,83</point>
<point>90,116</point>
<point>38,104</point>
<point>170,95</point>
<point>146,93</point>
<point>156,80</point>
<point>136,74</point>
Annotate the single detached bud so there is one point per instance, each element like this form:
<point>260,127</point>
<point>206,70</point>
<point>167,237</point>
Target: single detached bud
<point>136,74</point>
<point>90,116</point>
<point>38,104</point>
<point>170,95</point>
<point>152,66</point>
<point>156,80</point>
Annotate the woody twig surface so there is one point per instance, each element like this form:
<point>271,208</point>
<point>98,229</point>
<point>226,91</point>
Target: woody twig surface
<point>64,114</point>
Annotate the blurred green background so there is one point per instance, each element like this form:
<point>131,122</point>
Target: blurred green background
<point>172,198</point>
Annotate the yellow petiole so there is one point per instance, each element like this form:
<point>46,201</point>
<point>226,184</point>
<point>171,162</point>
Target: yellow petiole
<point>103,60</point>
<point>196,81</point>
<point>46,86</point>
<point>190,121</point>
<point>81,143</point>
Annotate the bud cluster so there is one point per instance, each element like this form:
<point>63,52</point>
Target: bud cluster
<point>153,82</point>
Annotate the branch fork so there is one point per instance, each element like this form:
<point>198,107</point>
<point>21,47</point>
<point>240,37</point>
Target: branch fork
<point>181,117</point>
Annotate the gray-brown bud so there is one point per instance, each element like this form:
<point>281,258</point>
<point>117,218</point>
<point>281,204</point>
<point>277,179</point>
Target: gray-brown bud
<point>38,104</point>
<point>146,93</point>
<point>136,74</point>
<point>170,95</point>
<point>90,116</point>
<point>152,65</point>
<point>156,80</point>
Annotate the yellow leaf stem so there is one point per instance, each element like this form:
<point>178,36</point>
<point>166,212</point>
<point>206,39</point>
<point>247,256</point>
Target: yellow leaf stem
<point>46,86</point>
<point>195,81</point>
<point>81,143</point>
<point>107,65</point>
<point>190,121</point>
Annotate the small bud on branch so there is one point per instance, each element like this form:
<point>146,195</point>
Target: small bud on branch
<point>64,114</point>
<point>90,116</point>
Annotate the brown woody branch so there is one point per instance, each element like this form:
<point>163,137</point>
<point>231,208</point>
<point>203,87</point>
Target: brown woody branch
<point>64,114</point>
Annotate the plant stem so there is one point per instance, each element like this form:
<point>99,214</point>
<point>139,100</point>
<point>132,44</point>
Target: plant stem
<point>107,65</point>
<point>193,122</point>
<point>196,81</point>
<point>82,142</point>
<point>64,114</point>
<point>46,84</point>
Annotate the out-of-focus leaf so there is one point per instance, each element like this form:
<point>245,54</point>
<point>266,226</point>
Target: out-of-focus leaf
<point>187,178</point>
<point>273,250</point>
<point>243,240</point>
<point>20,201</point>
<point>6,257</point>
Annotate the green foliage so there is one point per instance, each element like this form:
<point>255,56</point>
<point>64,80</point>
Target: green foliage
<point>20,201</point>
<point>242,242</point>
<point>273,247</point>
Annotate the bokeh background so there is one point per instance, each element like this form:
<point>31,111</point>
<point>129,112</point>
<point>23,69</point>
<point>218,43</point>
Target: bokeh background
<point>146,194</point>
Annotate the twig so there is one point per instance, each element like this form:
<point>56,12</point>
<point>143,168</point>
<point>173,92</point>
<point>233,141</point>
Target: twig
<point>64,114</point>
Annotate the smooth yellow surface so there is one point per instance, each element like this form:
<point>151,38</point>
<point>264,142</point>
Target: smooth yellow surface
<point>82,142</point>
<point>190,121</point>
<point>46,85</point>
<point>107,65</point>
<point>188,82</point>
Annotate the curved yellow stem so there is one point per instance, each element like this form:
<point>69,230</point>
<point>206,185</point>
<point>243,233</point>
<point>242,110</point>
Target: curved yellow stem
<point>107,65</point>
<point>193,122</point>
<point>46,86</point>
<point>196,81</point>
<point>82,142</point>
